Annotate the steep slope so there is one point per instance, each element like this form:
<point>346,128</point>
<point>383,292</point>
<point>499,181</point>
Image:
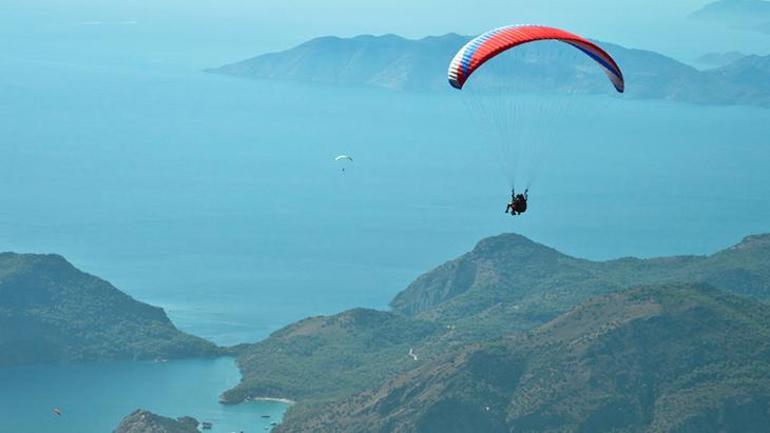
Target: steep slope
<point>52,312</point>
<point>506,284</point>
<point>509,282</point>
<point>397,63</point>
<point>329,357</point>
<point>142,421</point>
<point>684,359</point>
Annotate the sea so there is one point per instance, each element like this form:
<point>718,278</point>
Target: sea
<point>220,200</point>
<point>94,397</point>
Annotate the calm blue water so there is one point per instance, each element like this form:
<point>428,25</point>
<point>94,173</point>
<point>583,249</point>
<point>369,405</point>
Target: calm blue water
<point>95,397</point>
<point>218,199</point>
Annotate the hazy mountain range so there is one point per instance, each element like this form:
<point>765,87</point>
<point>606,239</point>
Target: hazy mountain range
<point>397,63</point>
<point>745,14</point>
<point>52,312</point>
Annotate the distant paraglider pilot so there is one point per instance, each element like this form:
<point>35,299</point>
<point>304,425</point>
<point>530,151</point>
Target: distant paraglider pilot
<point>344,160</point>
<point>518,204</point>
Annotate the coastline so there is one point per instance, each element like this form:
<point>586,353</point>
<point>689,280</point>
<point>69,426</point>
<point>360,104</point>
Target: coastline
<point>275,399</point>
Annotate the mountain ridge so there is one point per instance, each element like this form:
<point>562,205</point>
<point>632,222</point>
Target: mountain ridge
<point>715,60</point>
<point>511,274</point>
<point>624,362</point>
<point>396,63</point>
<point>481,296</point>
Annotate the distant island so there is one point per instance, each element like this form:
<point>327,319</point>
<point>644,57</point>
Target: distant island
<point>744,14</point>
<point>476,338</point>
<point>396,63</point>
<point>143,421</point>
<point>50,312</point>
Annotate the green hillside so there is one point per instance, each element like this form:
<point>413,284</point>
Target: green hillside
<point>510,283</point>
<point>52,312</point>
<point>684,359</point>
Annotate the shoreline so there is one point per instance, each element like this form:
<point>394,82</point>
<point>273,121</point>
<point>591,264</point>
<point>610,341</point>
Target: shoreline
<point>275,399</point>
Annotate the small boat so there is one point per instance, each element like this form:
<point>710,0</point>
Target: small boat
<point>205,425</point>
<point>265,416</point>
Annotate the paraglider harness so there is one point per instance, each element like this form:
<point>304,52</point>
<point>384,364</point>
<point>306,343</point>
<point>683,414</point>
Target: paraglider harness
<point>518,204</point>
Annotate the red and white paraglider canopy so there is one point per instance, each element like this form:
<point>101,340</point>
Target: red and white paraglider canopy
<point>494,42</point>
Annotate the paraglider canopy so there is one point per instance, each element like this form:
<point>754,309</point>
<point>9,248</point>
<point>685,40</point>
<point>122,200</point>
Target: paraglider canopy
<point>521,115</point>
<point>494,42</point>
<point>344,160</point>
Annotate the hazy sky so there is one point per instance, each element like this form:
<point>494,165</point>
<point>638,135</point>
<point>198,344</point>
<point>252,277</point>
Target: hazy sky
<point>248,27</point>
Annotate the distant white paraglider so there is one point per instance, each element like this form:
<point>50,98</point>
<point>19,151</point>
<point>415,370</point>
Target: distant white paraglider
<point>344,159</point>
